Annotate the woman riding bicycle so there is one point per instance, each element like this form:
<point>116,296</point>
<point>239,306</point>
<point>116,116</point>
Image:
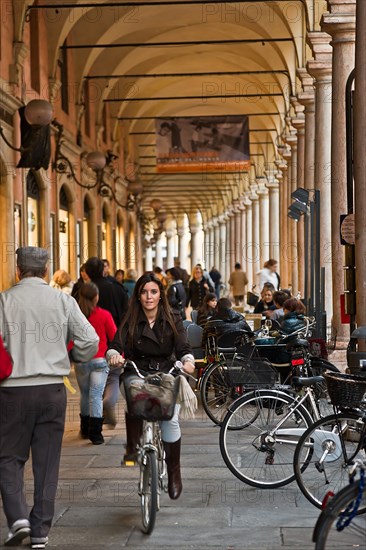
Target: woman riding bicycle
<point>153,337</point>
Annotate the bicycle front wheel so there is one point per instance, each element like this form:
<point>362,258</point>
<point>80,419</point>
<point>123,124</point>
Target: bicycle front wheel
<point>325,454</point>
<point>258,437</point>
<point>328,532</point>
<point>149,490</point>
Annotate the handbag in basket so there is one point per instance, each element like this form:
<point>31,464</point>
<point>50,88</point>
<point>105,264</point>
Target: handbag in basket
<point>6,363</point>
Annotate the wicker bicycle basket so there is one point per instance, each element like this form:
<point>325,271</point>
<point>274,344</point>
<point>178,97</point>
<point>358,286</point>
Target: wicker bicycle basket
<point>152,398</point>
<point>345,390</point>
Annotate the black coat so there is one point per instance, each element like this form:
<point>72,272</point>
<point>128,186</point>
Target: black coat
<point>112,297</point>
<point>156,348</point>
<point>177,298</point>
<point>197,291</point>
<point>218,325</point>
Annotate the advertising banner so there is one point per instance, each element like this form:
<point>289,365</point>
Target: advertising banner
<point>202,144</point>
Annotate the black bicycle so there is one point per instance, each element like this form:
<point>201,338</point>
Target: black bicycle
<point>342,523</point>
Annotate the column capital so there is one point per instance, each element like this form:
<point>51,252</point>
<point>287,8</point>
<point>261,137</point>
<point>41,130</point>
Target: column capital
<point>307,95</point>
<point>272,181</point>
<point>321,66</point>
<point>261,186</point>
<point>340,22</point>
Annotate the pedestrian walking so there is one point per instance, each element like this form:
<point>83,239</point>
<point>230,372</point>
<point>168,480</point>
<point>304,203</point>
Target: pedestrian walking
<point>92,375</point>
<point>269,275</point>
<point>37,322</point>
<point>114,298</point>
<point>238,281</point>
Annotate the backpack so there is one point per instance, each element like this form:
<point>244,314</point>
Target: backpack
<point>6,363</point>
<point>180,306</point>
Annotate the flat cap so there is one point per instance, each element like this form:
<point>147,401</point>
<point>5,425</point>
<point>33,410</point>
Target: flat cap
<point>31,257</point>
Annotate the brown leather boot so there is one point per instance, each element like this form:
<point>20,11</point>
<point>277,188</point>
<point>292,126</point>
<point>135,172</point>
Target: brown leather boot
<point>134,432</point>
<point>172,459</point>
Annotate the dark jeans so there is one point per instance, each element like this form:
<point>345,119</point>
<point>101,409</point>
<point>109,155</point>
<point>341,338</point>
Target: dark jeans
<point>32,419</point>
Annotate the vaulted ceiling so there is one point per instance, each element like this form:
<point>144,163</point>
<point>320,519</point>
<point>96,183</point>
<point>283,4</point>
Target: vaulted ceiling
<point>157,59</point>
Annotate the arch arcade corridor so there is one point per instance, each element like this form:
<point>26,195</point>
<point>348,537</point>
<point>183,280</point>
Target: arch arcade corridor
<point>116,71</point>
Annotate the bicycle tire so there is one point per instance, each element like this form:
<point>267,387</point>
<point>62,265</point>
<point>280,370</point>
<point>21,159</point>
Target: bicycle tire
<point>316,477</point>
<point>216,392</point>
<point>251,453</point>
<point>149,491</point>
<point>327,536</point>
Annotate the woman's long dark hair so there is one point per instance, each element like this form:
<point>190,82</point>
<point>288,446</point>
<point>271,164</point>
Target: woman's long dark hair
<point>204,307</point>
<point>87,295</point>
<point>135,308</point>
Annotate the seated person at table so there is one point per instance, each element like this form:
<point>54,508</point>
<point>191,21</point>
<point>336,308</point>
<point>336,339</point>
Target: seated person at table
<point>265,304</point>
<point>279,298</point>
<point>293,319</point>
<point>207,309</point>
<point>224,320</point>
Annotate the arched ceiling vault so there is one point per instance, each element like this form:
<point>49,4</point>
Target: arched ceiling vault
<point>213,59</point>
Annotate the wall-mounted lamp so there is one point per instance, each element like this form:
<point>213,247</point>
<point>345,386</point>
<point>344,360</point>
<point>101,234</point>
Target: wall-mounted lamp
<point>97,161</point>
<point>35,148</point>
<point>301,195</point>
<point>156,222</point>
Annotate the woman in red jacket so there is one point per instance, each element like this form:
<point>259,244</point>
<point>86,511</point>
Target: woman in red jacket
<point>92,376</point>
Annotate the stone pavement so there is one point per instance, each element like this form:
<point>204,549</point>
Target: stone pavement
<point>98,504</point>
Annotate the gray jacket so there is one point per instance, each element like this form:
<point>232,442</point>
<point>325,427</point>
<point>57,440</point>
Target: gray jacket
<point>37,322</point>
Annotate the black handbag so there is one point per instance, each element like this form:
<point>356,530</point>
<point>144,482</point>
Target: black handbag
<point>252,298</point>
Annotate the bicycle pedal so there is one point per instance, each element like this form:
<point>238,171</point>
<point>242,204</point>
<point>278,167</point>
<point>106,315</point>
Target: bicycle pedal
<point>128,463</point>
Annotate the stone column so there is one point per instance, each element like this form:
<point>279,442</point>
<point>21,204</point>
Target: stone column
<point>248,249</point>
<point>222,244</point>
<point>293,253</point>
<point>264,229</point>
<point>216,227</point>
<point>321,69</point>
<point>230,240</point>
<point>360,164</point>
<point>237,239</point>
<point>194,227</point>
<point>274,216</point>
<point>183,243</point>
<point>243,234</point>
<point>256,266</point>
<point>159,251</point>
<point>298,123</point>
<point>285,169</point>
<point>148,258</point>
<point>282,178</point>
<point>307,98</point>
<point>169,232</point>
<point>340,23</point>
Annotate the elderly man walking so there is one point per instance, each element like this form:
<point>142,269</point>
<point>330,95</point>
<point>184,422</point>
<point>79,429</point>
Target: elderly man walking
<point>37,322</point>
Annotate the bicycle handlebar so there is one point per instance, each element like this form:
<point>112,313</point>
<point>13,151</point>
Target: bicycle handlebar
<point>177,368</point>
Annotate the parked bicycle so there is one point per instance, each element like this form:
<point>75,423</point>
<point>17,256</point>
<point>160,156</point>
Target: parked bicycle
<point>147,404</point>
<point>328,449</point>
<point>238,362</point>
<point>342,523</point>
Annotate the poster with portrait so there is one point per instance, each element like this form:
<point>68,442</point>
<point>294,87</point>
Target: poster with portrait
<point>202,144</point>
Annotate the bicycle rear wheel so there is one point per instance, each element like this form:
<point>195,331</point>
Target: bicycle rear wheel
<point>217,392</point>
<point>327,536</point>
<point>258,437</point>
<point>324,452</point>
<point>148,490</point>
